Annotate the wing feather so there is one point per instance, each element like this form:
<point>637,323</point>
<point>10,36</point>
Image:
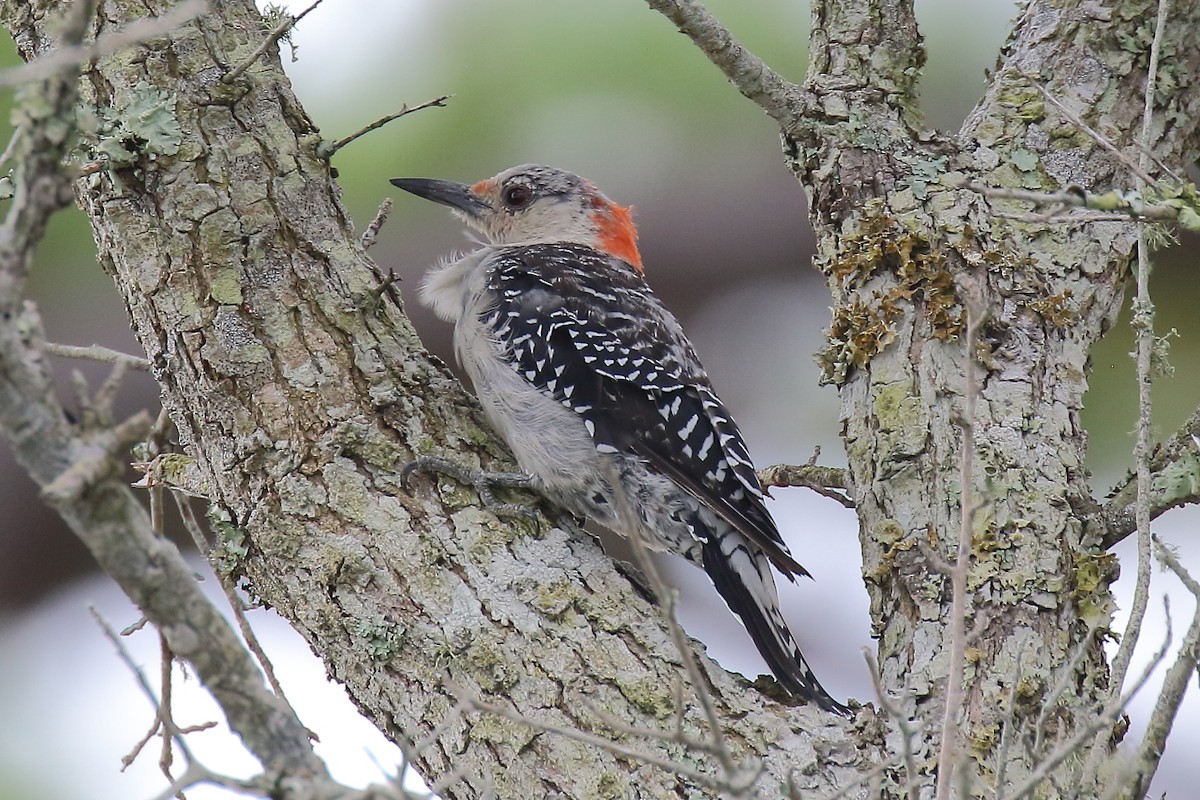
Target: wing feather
<point>587,329</point>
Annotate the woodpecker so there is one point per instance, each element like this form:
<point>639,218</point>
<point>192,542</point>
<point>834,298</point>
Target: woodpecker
<point>591,382</point>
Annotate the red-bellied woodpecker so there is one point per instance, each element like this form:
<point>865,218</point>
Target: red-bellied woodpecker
<point>597,391</point>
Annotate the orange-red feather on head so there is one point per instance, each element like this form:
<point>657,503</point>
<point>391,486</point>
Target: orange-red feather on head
<point>615,232</point>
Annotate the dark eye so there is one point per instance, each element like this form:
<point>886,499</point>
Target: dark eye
<point>516,196</point>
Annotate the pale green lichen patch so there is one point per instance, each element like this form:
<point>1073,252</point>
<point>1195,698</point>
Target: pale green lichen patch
<point>603,611</point>
<point>503,733</point>
<point>495,670</point>
<point>365,440</point>
<point>1179,481</point>
<point>607,785</point>
<point>556,598</point>
<point>903,420</point>
<point>647,695</point>
<point>483,538</point>
<point>142,125</point>
<point>379,638</point>
<point>346,489</point>
<point>1183,198</point>
<point>925,172</point>
<point>232,546</point>
<point>225,286</point>
<point>179,471</point>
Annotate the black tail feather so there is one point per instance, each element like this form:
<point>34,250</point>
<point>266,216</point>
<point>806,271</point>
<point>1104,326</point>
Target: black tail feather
<point>768,630</point>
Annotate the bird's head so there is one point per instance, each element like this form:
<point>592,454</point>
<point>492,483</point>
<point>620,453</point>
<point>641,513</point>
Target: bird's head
<point>535,204</point>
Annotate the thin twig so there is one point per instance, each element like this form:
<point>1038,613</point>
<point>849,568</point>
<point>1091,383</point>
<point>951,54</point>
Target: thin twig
<point>830,482</point>
<point>286,24</point>
<point>875,772</point>
<point>1112,202</point>
<point>1143,325</point>
<point>951,730</point>
<point>1175,683</point>
<point>97,353</point>
<point>1095,135</point>
<point>63,58</point>
<point>678,735</point>
<point>1010,724</point>
<point>1065,680</point>
<point>11,147</point>
<point>666,599</point>
<point>170,730</point>
<point>327,150</point>
<point>140,677</point>
<point>504,712</point>
<point>746,71</point>
<point>903,723</point>
<point>1059,217</point>
<point>372,232</point>
<point>235,602</point>
<point>1102,720</point>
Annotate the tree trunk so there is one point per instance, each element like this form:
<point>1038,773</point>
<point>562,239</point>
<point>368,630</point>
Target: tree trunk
<point>300,391</point>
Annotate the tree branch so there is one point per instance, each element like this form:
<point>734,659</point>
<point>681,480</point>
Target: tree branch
<point>84,483</point>
<point>746,71</point>
<point>828,482</point>
<point>301,389</point>
<point>1174,482</point>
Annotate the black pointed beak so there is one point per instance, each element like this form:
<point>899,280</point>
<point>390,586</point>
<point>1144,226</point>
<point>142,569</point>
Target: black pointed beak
<point>448,193</point>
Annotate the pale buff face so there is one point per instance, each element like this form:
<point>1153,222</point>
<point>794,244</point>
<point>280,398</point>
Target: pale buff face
<point>530,204</point>
<point>535,204</point>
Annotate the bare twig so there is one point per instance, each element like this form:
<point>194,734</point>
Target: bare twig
<point>1065,679</point>
<point>143,683</point>
<point>196,774</point>
<point>830,482</point>
<point>1095,135</point>
<point>1121,206</point>
<point>1143,325</point>
<point>666,599</point>
<point>96,353</point>
<point>677,734</point>
<point>951,731</point>
<point>686,770</point>
<point>235,602</point>
<point>286,24</point>
<point>874,772</point>
<point>64,58</point>
<point>328,149</point>
<point>746,71</point>
<point>903,724</point>
<point>372,232</point>
<point>1175,683</point>
<point>1103,720</point>
<point>1009,726</point>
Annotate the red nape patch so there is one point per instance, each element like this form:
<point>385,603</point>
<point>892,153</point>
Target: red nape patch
<point>616,233</point>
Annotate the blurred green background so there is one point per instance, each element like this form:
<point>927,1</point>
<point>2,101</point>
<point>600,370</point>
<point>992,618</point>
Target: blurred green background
<point>610,90</point>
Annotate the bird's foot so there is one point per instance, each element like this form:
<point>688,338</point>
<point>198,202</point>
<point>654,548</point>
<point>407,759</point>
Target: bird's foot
<point>483,482</point>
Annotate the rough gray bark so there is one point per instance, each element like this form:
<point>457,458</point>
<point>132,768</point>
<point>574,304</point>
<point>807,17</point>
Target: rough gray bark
<point>299,390</point>
<point>901,244</point>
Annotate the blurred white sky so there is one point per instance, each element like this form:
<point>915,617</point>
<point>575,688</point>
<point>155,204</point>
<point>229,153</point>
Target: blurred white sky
<point>62,690</point>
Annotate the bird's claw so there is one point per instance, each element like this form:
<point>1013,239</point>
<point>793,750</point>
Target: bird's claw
<point>483,483</point>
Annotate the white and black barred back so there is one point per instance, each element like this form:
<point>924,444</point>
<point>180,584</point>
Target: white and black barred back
<point>584,328</point>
